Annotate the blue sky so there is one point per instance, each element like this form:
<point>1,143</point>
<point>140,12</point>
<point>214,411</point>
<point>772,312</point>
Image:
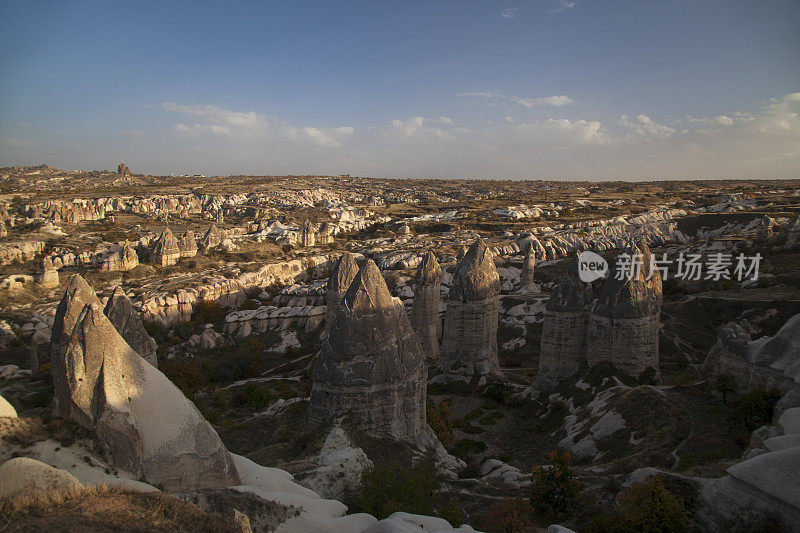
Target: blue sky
<point>538,89</point>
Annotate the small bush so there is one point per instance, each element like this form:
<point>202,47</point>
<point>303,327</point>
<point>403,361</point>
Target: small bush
<point>649,506</point>
<point>388,488</point>
<point>509,516</point>
<point>257,396</point>
<point>466,448</point>
<point>756,408</point>
<point>208,312</point>
<point>554,489</point>
<point>220,398</point>
<point>439,421</point>
<point>186,374</point>
<point>453,513</point>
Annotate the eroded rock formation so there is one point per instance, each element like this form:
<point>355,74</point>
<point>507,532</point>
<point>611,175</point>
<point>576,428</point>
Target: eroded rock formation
<point>48,277</point>
<point>212,238</point>
<point>371,368</point>
<point>188,245</point>
<point>469,339</point>
<point>123,259</point>
<point>143,422</point>
<point>166,252</point>
<point>615,320</point>
<point>425,309</point>
<point>340,279</point>
<point>126,321</point>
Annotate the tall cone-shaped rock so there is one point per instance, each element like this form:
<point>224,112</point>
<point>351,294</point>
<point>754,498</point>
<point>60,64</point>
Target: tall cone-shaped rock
<point>425,309</point>
<point>623,326</point>
<point>340,279</point>
<point>77,294</point>
<point>126,321</point>
<point>564,329</point>
<point>528,266</point>
<point>212,238</point>
<point>166,252</point>
<point>371,368</point>
<point>144,423</point>
<point>188,244</point>
<point>469,344</point>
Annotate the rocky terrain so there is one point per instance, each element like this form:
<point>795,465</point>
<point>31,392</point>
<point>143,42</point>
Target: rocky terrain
<point>270,353</point>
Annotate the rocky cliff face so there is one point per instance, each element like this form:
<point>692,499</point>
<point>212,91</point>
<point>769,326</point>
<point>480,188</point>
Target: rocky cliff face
<point>425,309</point>
<point>371,368</point>
<point>764,363</point>
<point>126,321</point>
<point>340,279</point>
<point>612,320</point>
<point>307,234</point>
<point>563,343</point>
<point>624,323</point>
<point>143,422</point>
<point>469,344</point>
<point>166,252</point>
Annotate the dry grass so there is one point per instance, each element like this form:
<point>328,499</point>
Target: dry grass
<point>23,431</point>
<point>104,508</point>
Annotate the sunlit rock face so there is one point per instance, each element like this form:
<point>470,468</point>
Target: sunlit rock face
<point>339,281</point>
<point>187,244</point>
<point>527,286</point>
<point>425,308</point>
<point>614,320</point>
<point>372,369</point>
<point>48,277</point>
<point>123,259</point>
<point>126,321</point>
<point>212,238</point>
<point>143,422</point>
<point>166,252</point>
<point>307,234</point>
<point>469,343</point>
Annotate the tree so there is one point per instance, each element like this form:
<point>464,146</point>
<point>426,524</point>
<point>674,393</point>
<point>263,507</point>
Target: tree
<point>725,383</point>
<point>649,507</point>
<point>554,489</point>
<point>509,516</point>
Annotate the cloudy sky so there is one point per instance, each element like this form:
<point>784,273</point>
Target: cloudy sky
<point>584,89</point>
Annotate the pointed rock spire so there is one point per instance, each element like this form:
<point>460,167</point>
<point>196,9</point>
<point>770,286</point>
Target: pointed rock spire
<point>126,321</point>
<point>425,309</point>
<point>469,344</point>
<point>343,274</point>
<point>371,368</point>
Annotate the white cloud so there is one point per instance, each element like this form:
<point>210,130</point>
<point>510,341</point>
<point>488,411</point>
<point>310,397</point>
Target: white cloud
<point>219,116</point>
<point>482,94</point>
<point>644,126</point>
<point>563,5</point>
<point>508,12</point>
<point>555,101</point>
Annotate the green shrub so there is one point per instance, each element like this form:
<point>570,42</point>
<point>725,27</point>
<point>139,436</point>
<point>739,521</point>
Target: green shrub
<point>388,488</point>
<point>257,396</point>
<point>554,489</point>
<point>649,506</point>
<point>220,398</point>
<point>466,448</point>
<point>453,513</point>
<point>208,312</point>
<point>756,408</point>
<point>186,374</point>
